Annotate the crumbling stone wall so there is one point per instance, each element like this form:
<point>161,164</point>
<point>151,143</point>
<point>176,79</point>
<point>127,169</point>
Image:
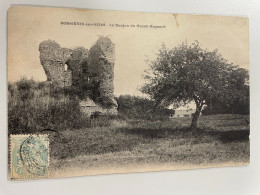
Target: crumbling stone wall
<point>91,70</point>
<point>101,63</point>
<point>77,58</point>
<point>53,58</point>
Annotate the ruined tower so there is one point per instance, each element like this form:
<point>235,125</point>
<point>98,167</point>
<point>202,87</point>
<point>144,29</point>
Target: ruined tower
<point>101,64</point>
<point>53,59</point>
<point>91,70</point>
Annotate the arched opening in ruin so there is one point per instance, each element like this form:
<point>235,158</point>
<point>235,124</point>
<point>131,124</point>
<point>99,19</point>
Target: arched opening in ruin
<point>67,77</point>
<point>65,67</point>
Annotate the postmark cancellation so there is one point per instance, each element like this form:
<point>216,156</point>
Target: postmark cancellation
<point>29,156</point>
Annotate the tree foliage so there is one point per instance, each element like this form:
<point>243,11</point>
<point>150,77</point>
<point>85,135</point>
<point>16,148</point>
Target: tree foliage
<point>135,107</point>
<point>189,73</point>
<point>238,105</point>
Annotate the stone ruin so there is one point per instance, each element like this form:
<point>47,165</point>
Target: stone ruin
<point>92,71</point>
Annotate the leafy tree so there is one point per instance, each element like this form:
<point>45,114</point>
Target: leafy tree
<point>189,73</point>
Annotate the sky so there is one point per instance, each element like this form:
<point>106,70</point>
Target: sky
<point>29,26</point>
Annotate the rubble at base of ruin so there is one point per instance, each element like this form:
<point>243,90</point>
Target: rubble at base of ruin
<point>91,70</point>
<point>90,108</point>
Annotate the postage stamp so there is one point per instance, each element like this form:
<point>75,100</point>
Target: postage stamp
<point>29,156</point>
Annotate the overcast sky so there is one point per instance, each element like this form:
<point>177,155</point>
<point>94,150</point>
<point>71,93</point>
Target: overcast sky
<point>28,26</point>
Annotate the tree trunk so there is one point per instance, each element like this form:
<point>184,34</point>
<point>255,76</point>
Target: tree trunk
<point>195,118</point>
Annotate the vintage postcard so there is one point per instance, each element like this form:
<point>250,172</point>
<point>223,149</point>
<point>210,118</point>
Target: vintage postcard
<point>100,92</point>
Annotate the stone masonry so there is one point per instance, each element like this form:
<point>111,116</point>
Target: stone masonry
<point>91,70</point>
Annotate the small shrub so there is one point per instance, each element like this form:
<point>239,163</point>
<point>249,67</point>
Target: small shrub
<point>41,85</point>
<point>26,88</point>
<point>26,84</point>
<point>11,88</point>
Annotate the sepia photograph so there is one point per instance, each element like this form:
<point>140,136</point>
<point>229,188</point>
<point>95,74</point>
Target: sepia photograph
<point>102,92</point>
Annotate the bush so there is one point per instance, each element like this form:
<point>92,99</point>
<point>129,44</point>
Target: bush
<point>34,106</point>
<point>26,88</point>
<point>236,105</point>
<point>42,85</point>
<point>40,113</point>
<point>11,89</point>
<point>134,107</point>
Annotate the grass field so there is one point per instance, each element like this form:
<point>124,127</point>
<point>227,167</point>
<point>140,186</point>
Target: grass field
<point>80,144</point>
<point>222,139</point>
